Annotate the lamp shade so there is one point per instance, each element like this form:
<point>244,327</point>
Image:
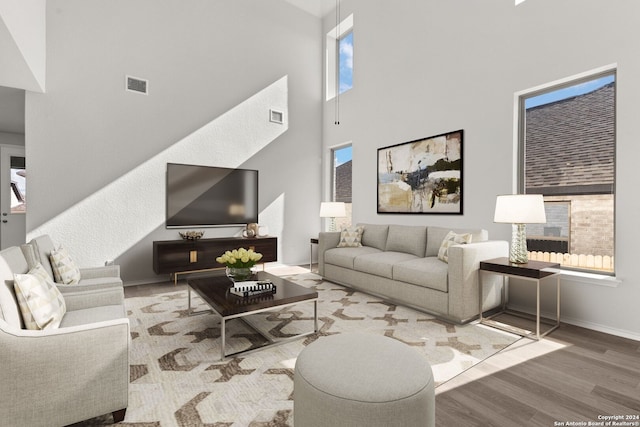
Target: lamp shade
<point>520,209</point>
<point>332,210</point>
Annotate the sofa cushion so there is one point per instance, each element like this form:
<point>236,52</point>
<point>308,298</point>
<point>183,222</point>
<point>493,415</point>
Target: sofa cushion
<point>435,236</point>
<point>42,247</point>
<point>452,239</point>
<point>350,237</point>
<point>344,257</point>
<point>381,263</point>
<point>427,272</point>
<point>41,303</point>
<point>64,269</point>
<point>375,235</point>
<point>92,315</point>
<point>410,239</point>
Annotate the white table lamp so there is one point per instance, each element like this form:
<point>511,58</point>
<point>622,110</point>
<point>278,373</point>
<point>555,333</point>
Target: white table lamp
<point>519,209</point>
<point>332,210</point>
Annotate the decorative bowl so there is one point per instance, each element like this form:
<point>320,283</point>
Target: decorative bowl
<point>191,235</point>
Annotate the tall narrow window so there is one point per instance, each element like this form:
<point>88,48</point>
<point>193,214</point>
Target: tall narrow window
<point>567,154</point>
<point>345,63</point>
<point>339,59</point>
<point>341,181</point>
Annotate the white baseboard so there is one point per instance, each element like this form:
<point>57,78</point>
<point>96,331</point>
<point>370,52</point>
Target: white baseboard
<point>633,335</point>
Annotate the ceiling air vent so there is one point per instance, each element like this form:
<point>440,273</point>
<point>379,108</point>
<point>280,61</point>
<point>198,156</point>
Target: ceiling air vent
<point>135,84</point>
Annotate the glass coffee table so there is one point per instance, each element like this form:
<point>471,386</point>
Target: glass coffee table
<point>214,290</point>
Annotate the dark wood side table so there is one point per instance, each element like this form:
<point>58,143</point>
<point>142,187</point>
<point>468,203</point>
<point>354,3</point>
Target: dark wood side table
<point>313,241</point>
<point>533,271</point>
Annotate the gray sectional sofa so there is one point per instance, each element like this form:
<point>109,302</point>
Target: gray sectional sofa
<point>400,263</point>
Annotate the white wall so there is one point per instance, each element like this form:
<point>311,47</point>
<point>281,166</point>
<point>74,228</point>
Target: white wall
<point>422,68</point>
<point>97,153</point>
<point>11,138</point>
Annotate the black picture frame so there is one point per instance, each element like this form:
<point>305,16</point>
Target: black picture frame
<point>423,176</point>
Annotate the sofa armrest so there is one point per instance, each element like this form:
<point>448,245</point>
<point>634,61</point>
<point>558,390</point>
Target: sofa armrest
<point>98,286</point>
<point>97,272</point>
<point>78,297</point>
<point>464,263</point>
<point>43,371</point>
<point>326,240</point>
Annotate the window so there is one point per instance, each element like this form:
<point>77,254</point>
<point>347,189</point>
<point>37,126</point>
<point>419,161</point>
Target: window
<point>339,58</point>
<point>345,63</point>
<point>18,185</point>
<point>567,154</point>
<point>341,181</point>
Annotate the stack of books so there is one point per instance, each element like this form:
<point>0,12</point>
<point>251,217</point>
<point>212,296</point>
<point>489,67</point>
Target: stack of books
<point>253,287</point>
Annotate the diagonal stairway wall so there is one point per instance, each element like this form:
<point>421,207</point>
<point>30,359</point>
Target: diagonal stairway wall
<point>23,44</point>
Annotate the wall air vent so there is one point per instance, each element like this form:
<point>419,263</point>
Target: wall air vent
<point>137,85</point>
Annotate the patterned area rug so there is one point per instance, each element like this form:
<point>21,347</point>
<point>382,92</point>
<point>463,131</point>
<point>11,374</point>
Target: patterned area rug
<point>178,380</point>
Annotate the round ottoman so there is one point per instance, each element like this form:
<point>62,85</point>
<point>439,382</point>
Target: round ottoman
<point>358,379</point>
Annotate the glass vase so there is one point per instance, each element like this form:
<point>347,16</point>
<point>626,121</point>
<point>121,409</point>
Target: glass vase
<point>239,274</point>
<point>518,253</point>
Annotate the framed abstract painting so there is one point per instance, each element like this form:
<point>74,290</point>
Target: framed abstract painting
<point>422,176</point>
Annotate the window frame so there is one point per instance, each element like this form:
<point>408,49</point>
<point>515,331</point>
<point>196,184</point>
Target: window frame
<point>522,97</point>
<point>332,57</point>
<point>333,180</point>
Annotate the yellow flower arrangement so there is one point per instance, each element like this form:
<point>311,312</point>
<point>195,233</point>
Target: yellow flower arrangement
<point>239,258</point>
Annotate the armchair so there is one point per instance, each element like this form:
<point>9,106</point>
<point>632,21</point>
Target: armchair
<point>65,375</point>
<point>104,281</point>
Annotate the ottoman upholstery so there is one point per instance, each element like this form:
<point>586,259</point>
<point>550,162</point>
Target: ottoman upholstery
<point>358,379</point>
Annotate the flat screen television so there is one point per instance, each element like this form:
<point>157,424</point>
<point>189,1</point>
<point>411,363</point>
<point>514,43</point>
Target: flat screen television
<point>206,196</point>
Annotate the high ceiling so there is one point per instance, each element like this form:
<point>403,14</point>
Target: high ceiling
<point>22,58</point>
<point>23,44</point>
<point>12,100</point>
<point>319,8</point>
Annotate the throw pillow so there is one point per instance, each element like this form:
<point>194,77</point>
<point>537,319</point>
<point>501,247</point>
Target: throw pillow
<point>351,237</point>
<point>64,269</point>
<point>452,239</point>
<point>41,303</point>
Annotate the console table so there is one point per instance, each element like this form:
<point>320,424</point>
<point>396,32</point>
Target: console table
<point>192,256</point>
<point>533,271</point>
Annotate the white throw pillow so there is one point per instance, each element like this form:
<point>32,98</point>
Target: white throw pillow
<point>452,239</point>
<point>64,269</point>
<point>41,303</point>
<point>351,237</point>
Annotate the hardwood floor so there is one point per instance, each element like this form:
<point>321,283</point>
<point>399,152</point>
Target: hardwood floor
<point>574,375</point>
